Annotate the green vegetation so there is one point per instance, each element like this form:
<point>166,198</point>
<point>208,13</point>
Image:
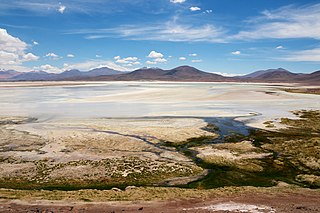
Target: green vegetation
<point>269,124</point>
<point>103,174</point>
<point>295,157</point>
<point>262,158</point>
<point>314,91</point>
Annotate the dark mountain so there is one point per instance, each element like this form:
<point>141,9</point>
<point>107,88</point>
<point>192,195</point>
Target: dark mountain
<point>103,71</point>
<point>312,78</point>
<point>78,75</point>
<point>183,73</point>
<point>74,74</point>
<point>281,75</point>
<point>278,75</point>
<point>8,74</point>
<point>315,74</point>
<point>186,72</point>
<point>69,74</point>
<point>262,72</point>
<point>34,76</point>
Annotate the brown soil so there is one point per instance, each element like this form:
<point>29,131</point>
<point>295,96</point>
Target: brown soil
<point>283,202</point>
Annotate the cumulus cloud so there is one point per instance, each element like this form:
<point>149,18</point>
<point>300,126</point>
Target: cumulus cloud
<point>195,9</point>
<point>207,11</point>
<point>70,56</point>
<point>156,57</point>
<point>29,57</point>
<point>151,62</point>
<point>62,8</point>
<point>177,1</point>
<point>47,68</point>
<point>236,52</point>
<point>13,52</point>
<point>128,61</point>
<point>92,64</point>
<point>52,56</point>
<point>35,43</point>
<point>154,54</point>
<point>182,58</point>
<point>193,54</point>
<point>279,47</point>
<point>160,60</point>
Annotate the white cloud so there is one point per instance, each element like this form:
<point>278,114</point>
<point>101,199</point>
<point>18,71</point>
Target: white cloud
<point>182,58</point>
<point>48,68</point>
<point>122,61</point>
<point>35,43</point>
<point>151,62</point>
<point>196,61</point>
<point>62,8</point>
<point>283,23</point>
<point>92,64</point>
<point>160,60</point>
<point>236,52</point>
<point>177,1</point>
<point>207,11</point>
<point>30,57</point>
<point>169,31</point>
<point>131,59</point>
<point>193,54</point>
<point>52,56</point>
<point>312,55</point>
<point>13,52</point>
<point>195,8</point>
<point>70,56</point>
<point>227,74</point>
<point>156,57</point>
<point>279,47</point>
<point>154,54</point>
<point>128,61</point>
<point>98,56</point>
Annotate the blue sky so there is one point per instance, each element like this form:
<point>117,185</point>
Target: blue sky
<point>229,36</point>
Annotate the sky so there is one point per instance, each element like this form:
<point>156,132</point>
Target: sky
<point>229,37</point>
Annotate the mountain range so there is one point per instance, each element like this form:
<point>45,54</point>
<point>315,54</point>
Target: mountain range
<point>182,73</point>
<point>12,75</point>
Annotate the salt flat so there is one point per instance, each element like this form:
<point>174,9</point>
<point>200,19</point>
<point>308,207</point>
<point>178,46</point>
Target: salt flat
<point>54,100</point>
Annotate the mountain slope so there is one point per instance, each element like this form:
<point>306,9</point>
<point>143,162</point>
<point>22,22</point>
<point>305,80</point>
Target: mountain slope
<point>183,73</point>
<point>66,75</point>
<point>8,74</point>
<point>278,75</point>
<point>34,76</point>
<point>259,73</point>
<point>103,71</point>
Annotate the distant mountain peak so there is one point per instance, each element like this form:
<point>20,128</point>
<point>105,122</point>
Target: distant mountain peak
<point>262,72</point>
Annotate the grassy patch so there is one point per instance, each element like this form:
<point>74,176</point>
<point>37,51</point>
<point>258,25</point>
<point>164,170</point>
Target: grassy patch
<point>295,159</point>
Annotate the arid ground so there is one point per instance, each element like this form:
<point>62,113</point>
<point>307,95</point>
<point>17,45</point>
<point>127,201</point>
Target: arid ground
<point>158,147</point>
